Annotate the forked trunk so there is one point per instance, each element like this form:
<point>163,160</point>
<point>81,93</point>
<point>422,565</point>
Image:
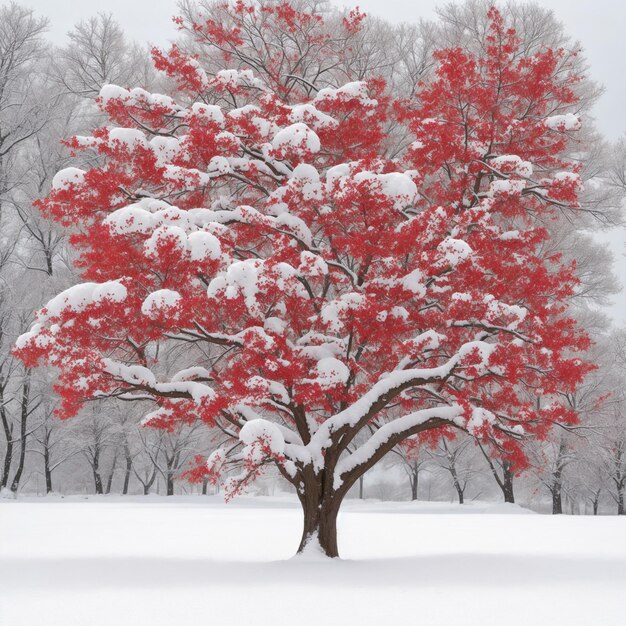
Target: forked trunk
<point>596,503</point>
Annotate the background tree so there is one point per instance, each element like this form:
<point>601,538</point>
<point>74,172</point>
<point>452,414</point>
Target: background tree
<point>451,456</point>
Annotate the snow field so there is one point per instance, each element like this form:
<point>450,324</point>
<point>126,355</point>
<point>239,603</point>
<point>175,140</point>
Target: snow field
<point>192,561</point>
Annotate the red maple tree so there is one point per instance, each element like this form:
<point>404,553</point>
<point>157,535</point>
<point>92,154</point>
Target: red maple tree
<point>330,301</point>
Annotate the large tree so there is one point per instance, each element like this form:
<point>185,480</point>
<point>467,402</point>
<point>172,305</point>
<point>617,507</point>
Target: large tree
<point>258,262</point>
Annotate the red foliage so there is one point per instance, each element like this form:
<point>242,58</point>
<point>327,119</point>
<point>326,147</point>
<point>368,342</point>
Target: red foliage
<point>329,266</point>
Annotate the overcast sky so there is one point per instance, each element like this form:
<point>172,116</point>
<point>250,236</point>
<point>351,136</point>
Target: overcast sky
<point>599,25</point>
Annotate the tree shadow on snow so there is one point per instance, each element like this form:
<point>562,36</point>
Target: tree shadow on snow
<point>473,570</point>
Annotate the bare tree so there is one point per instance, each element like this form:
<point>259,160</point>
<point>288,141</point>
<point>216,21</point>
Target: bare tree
<point>453,457</point>
<point>97,54</point>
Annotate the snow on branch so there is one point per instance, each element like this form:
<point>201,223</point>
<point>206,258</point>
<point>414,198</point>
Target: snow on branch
<point>390,433</point>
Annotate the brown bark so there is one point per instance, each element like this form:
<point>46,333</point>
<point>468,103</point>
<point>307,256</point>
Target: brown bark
<point>320,507</point>
<point>320,525</point>
<point>320,499</point>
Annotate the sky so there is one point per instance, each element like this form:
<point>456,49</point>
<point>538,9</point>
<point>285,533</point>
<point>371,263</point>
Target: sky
<point>598,25</point>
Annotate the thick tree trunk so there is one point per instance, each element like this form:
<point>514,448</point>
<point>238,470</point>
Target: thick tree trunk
<point>620,500</point>
<point>320,507</point>
<point>320,527</point>
<point>97,480</point>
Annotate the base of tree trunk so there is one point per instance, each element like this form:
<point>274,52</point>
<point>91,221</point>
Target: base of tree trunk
<point>319,533</point>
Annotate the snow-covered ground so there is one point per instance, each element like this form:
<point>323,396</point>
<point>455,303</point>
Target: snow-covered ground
<point>196,561</point>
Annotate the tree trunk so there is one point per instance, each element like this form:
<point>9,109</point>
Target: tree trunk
<point>147,484</point>
<point>620,500</point>
<point>15,484</point>
<point>97,483</point>
<point>48,255</point>
<point>557,499</point>
<point>111,473</point>
<point>557,482</point>
<point>414,482</point>
<point>457,485</point>
<point>171,463</point>
<point>320,527</point>
<point>8,433</point>
<point>129,467</point>
<point>46,467</point>
<point>507,482</point>
<point>320,507</point>
<point>95,468</point>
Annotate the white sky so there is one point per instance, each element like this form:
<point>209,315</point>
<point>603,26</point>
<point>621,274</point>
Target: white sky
<point>599,25</point>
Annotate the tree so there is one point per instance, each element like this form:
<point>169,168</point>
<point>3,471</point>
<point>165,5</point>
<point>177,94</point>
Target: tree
<point>610,439</point>
<point>503,472</point>
<point>144,459</point>
<point>98,54</point>
<point>96,438</point>
<point>410,453</point>
<point>614,462</point>
<point>21,112</point>
<point>53,446</point>
<point>318,292</point>
<point>450,456</point>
